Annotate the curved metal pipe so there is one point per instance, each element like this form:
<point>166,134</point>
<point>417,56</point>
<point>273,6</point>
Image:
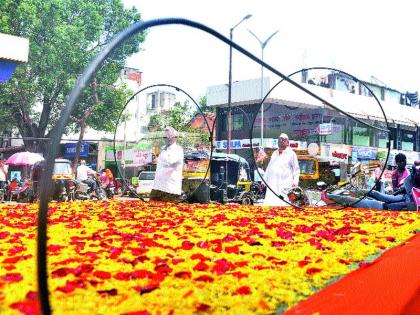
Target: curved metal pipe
<point>71,100</point>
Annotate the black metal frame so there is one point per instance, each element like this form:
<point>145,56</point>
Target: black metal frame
<point>346,114</point>
<point>210,130</point>
<point>86,76</point>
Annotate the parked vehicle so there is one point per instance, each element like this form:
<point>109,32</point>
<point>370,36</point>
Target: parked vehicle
<point>145,183</point>
<point>62,176</point>
<point>19,190</point>
<point>228,180</point>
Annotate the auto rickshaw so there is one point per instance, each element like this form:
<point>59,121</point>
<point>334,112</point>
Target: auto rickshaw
<point>62,177</point>
<point>318,168</point>
<point>228,179</point>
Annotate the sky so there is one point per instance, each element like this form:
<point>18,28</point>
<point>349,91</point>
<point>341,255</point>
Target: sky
<point>363,38</point>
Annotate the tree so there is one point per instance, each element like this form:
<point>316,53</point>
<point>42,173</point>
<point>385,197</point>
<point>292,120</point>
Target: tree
<point>179,117</point>
<point>64,37</point>
<point>202,101</point>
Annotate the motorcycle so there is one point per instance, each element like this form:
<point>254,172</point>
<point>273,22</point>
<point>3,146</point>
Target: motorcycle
<point>82,191</point>
<point>20,191</point>
<point>109,190</point>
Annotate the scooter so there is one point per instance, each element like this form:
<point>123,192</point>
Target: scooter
<point>21,191</point>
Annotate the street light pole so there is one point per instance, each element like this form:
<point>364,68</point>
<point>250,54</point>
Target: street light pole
<point>262,44</point>
<point>230,83</point>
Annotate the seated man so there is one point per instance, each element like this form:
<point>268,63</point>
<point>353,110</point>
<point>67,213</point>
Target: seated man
<point>83,173</point>
<point>399,174</point>
<point>390,202</point>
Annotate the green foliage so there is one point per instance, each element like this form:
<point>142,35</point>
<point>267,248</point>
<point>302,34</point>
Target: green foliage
<point>64,35</point>
<point>202,101</point>
<point>179,117</point>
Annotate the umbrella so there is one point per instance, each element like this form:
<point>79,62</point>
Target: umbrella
<point>24,158</point>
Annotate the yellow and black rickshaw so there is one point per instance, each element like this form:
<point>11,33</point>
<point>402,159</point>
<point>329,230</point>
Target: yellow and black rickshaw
<point>228,179</point>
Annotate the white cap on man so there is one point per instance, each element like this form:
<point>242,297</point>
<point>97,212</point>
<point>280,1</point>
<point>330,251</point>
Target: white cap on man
<point>284,136</point>
<point>170,133</point>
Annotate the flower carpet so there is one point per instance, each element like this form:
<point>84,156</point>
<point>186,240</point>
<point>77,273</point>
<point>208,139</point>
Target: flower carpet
<point>131,257</point>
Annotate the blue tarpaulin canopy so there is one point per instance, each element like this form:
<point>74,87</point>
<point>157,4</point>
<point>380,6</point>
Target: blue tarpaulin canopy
<point>6,70</point>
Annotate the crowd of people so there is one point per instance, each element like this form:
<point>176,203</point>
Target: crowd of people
<point>280,176</point>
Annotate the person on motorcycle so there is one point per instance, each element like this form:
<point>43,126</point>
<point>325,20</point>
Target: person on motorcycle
<point>399,174</point>
<point>106,177</point>
<point>83,173</point>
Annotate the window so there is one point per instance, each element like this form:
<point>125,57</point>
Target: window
<point>407,142</point>
<point>237,121</point>
<point>307,167</point>
<point>361,136</point>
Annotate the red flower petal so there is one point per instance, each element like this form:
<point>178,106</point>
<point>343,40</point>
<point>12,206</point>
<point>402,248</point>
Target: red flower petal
<point>239,274</point>
<point>176,261</point>
<point>27,308</point>
<point>221,266</point>
<point>232,249</point>
<point>303,263</point>
<point>201,266</point>
<point>147,288</point>
<point>244,290</point>
<point>187,245</point>
<point>201,307</point>
<point>204,278</point>
<point>311,271</point>
<point>102,274</point>
<point>12,277</point>
<point>183,275</point>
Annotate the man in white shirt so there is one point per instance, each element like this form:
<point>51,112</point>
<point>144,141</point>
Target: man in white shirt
<point>282,173</point>
<point>168,179</point>
<point>3,174</point>
<point>83,172</point>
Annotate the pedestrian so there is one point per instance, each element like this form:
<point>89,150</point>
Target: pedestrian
<point>3,176</point>
<point>167,185</point>
<point>282,173</point>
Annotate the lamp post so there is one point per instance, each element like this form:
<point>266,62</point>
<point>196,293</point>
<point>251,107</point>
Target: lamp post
<point>230,83</point>
<point>262,44</point>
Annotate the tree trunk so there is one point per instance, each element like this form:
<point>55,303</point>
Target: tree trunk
<point>83,125</point>
<point>79,144</point>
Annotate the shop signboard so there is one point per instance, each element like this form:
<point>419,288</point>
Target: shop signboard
<point>339,152</point>
<point>364,153</point>
<point>70,150</point>
<point>325,129</point>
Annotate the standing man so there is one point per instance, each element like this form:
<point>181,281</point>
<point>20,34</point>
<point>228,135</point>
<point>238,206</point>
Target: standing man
<point>282,173</point>
<point>168,180</point>
<point>3,175</point>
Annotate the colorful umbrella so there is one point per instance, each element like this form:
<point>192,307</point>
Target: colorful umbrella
<point>24,158</point>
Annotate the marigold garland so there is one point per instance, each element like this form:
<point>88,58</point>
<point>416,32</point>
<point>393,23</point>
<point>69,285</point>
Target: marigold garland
<point>131,257</point>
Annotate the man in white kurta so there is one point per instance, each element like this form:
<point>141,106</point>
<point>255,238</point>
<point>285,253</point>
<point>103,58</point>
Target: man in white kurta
<point>168,179</point>
<point>282,173</point>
